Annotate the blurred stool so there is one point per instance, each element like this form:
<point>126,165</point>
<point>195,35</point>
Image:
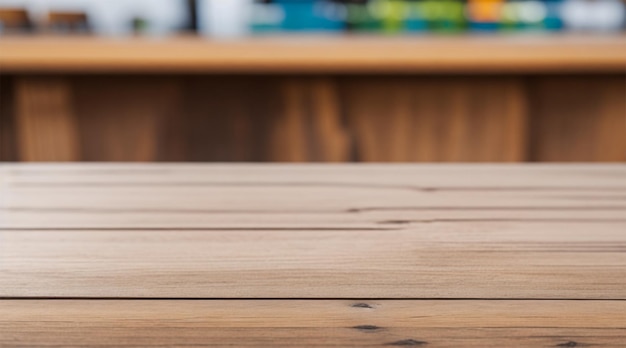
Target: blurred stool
<point>68,22</point>
<point>14,20</point>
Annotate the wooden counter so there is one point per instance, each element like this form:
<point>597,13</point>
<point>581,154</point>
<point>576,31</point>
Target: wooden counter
<point>313,98</point>
<point>297,255</point>
<point>314,54</point>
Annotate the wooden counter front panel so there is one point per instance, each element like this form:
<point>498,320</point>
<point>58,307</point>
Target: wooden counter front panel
<point>314,118</point>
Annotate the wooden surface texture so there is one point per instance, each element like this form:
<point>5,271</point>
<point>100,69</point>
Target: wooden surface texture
<point>312,255</point>
<point>559,53</point>
<point>312,323</point>
<point>313,118</point>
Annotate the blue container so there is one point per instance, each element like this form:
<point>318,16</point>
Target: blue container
<point>310,15</point>
<point>554,21</point>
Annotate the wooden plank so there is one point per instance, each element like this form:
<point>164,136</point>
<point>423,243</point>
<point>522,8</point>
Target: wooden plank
<point>325,118</point>
<point>330,133</point>
<point>245,196</point>
<point>578,119</point>
<point>411,177</point>
<point>516,54</point>
<point>307,125</point>
<point>380,116</point>
<point>299,323</point>
<point>315,255</point>
<point>319,206</point>
<point>126,215</point>
<point>218,125</point>
<point>76,217</point>
<point>404,119</point>
<point>288,137</point>
<point>414,260</point>
<point>351,231</point>
<point>46,124</point>
<point>297,196</point>
<point>8,144</point>
<point>134,132</point>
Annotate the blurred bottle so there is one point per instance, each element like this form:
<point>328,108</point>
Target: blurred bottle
<point>600,15</point>
<point>443,16</point>
<point>224,19</point>
<point>485,15</point>
<point>266,17</point>
<point>554,21</point>
<point>140,25</point>
<point>532,14</point>
<point>391,14</point>
<point>415,20</point>
<point>359,17</point>
<point>191,7</point>
<point>515,16</point>
<point>511,20</point>
<point>311,15</point>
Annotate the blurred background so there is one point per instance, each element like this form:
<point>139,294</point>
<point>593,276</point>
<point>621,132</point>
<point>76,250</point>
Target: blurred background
<point>313,80</point>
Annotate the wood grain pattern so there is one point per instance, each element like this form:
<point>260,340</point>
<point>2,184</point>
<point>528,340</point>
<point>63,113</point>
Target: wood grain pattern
<point>312,255</point>
<point>327,231</point>
<point>558,53</point>
<point>134,132</point>
<point>308,125</point>
<point>490,260</point>
<point>288,138</point>
<point>225,118</point>
<point>243,195</point>
<point>329,128</point>
<point>298,323</point>
<point>45,120</point>
<point>607,178</point>
<point>579,119</point>
<point>400,119</point>
<point>8,143</point>
<point>327,118</point>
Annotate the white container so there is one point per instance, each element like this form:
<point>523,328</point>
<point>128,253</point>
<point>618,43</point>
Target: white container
<point>224,19</point>
<point>600,15</point>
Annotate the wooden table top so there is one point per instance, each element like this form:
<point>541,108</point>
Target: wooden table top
<point>312,255</point>
<point>318,54</point>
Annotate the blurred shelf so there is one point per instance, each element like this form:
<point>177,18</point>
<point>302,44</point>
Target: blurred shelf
<point>316,54</point>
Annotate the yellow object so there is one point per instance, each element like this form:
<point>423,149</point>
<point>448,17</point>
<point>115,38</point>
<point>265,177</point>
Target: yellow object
<point>484,10</point>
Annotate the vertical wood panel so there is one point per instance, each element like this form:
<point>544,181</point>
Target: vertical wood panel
<point>313,118</point>
<point>8,148</point>
<point>289,138</point>
<point>398,119</point>
<point>46,125</point>
<point>581,118</point>
<point>496,119</point>
<point>123,119</point>
<point>378,113</point>
<point>515,133</point>
<point>307,125</point>
<point>226,117</point>
<point>332,138</point>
